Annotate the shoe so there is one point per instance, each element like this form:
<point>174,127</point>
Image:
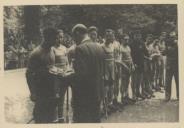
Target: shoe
<point>112,108</point>
<point>124,101</point>
<point>130,101</point>
<point>61,120</point>
<point>146,95</point>
<point>158,89</point>
<point>118,105</point>
<point>154,88</point>
<point>167,100</point>
<point>161,91</point>
<point>109,111</point>
<point>102,113</point>
<point>141,96</point>
<point>105,112</point>
<point>153,95</point>
<point>115,102</point>
<point>150,92</point>
<point>161,85</point>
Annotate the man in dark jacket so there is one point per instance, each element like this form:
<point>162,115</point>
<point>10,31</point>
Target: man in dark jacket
<point>171,65</point>
<point>138,60</point>
<point>40,81</point>
<point>88,77</point>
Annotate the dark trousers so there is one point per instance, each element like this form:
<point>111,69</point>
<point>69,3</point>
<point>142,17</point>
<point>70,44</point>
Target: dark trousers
<point>109,90</point>
<point>46,103</point>
<point>162,67</point>
<point>171,71</point>
<point>60,89</point>
<point>44,111</point>
<point>117,81</point>
<point>85,103</point>
<point>87,112</point>
<point>147,88</point>
<point>137,78</point>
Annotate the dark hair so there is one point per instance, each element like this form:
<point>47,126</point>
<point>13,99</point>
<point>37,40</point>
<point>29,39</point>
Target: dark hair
<point>49,33</point>
<point>109,30</point>
<point>150,35</point>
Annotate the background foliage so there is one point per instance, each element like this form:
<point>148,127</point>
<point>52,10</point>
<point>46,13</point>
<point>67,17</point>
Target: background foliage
<point>27,22</point>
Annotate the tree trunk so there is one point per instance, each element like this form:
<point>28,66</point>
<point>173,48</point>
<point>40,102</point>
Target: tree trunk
<point>32,23</point>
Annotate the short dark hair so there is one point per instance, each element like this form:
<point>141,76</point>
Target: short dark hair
<point>49,33</point>
<point>109,30</point>
<point>122,36</point>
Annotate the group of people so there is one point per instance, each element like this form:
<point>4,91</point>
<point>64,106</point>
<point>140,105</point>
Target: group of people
<point>16,54</point>
<point>99,71</point>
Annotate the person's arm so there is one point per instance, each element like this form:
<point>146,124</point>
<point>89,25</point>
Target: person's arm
<point>70,55</point>
<point>66,54</point>
<point>157,52</point>
<point>154,55</point>
<point>133,65</point>
<point>146,54</point>
<point>31,77</point>
<point>124,66</point>
<point>80,67</point>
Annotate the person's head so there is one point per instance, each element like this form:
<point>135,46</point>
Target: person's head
<point>93,33</point>
<point>124,39</point>
<point>49,35</point>
<point>156,42</point>
<point>120,31</point>
<point>172,34</point>
<point>172,41</point>
<point>163,35</point>
<point>67,40</point>
<point>79,32</point>
<point>149,38</point>
<point>12,38</point>
<point>172,38</point>
<point>109,35</point>
<point>60,37</point>
<point>175,41</point>
<point>137,35</point>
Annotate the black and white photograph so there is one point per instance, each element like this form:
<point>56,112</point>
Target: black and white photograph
<point>96,63</point>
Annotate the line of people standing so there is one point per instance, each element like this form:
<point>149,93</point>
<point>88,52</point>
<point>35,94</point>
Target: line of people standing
<point>102,72</point>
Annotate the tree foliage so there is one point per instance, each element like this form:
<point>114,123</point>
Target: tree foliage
<point>32,23</point>
<point>33,19</point>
